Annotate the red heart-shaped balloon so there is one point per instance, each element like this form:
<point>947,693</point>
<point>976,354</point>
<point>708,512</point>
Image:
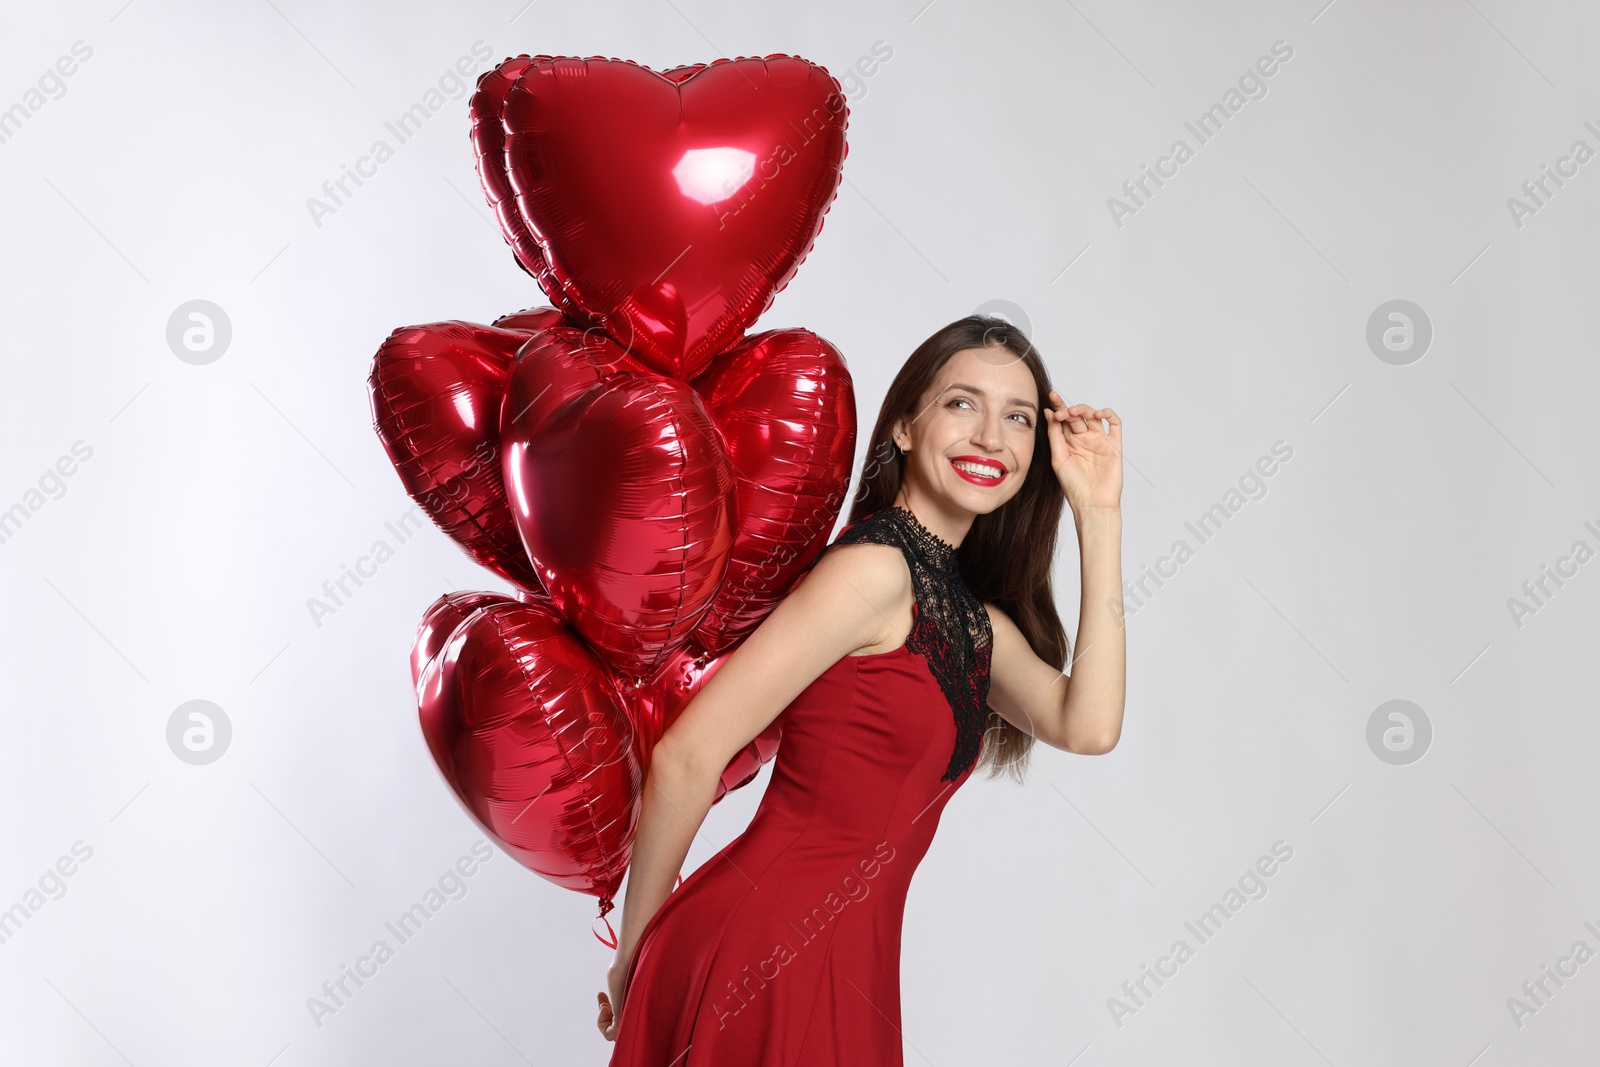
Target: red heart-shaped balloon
<point>655,707</point>
<point>441,620</point>
<point>435,393</point>
<point>623,495</point>
<point>556,366</point>
<point>529,732</point>
<point>670,210</point>
<point>785,408</point>
<point>488,144</point>
<point>530,320</point>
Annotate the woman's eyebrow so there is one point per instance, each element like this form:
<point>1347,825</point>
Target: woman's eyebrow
<point>1017,400</point>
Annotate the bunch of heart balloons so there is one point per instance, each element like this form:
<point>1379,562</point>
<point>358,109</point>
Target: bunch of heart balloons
<point>649,478</point>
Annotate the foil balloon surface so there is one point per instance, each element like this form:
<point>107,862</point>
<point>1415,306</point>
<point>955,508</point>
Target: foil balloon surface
<point>649,479</point>
<point>624,496</point>
<point>669,208</point>
<point>537,740</point>
<point>529,731</point>
<point>656,707</point>
<point>440,621</point>
<point>435,392</point>
<point>785,407</point>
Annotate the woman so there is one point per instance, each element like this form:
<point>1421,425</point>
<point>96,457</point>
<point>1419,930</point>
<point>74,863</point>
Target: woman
<point>899,665</point>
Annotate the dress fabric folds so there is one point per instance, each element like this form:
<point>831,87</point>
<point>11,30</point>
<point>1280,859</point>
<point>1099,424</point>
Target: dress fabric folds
<point>783,950</point>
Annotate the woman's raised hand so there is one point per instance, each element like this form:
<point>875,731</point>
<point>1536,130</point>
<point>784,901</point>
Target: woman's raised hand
<point>1086,459</point>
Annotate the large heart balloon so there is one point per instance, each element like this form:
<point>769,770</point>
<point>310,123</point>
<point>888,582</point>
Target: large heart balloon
<point>488,144</point>
<point>529,731</point>
<point>785,408</point>
<point>670,210</point>
<point>623,494</point>
<point>464,735</point>
<point>435,393</point>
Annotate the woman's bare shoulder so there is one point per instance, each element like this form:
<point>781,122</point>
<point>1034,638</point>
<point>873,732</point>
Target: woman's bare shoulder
<point>877,571</point>
<point>843,603</point>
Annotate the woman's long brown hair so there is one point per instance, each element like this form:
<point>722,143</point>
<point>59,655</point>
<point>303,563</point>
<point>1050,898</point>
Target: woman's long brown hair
<point>1007,556</point>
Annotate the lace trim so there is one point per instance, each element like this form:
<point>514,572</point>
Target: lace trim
<point>951,628</point>
<point>939,553</point>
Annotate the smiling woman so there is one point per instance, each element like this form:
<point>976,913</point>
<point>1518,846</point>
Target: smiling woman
<point>986,453</point>
<point>898,671</point>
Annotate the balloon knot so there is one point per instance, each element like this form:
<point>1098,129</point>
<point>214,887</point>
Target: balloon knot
<point>605,906</point>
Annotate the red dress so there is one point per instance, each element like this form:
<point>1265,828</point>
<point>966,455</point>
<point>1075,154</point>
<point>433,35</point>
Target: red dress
<point>783,949</point>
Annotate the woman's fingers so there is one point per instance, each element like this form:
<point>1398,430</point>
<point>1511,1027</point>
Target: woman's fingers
<point>1113,424</point>
<point>1055,428</point>
<point>1082,418</point>
<point>1088,419</point>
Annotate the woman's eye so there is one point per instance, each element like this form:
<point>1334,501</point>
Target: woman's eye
<point>1026,421</point>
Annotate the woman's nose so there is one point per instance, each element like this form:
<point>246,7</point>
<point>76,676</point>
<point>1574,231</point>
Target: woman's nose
<point>988,433</point>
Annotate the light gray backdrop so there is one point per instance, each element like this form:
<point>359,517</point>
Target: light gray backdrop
<point>1433,858</point>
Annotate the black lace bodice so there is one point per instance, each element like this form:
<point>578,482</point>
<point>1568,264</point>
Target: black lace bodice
<point>951,628</point>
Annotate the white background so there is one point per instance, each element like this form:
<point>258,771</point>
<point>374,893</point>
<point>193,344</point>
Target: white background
<point>1227,314</point>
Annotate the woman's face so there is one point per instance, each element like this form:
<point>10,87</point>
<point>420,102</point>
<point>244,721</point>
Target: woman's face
<point>973,439</point>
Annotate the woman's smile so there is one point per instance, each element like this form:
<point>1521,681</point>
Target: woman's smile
<point>979,471</point>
